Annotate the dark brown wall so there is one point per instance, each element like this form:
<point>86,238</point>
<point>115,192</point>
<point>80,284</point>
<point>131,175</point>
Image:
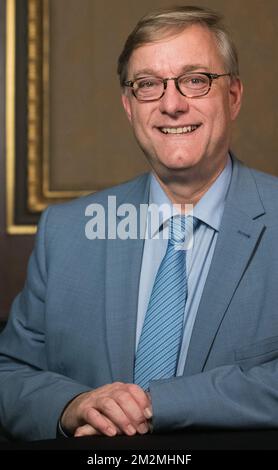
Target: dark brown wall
<point>254,24</point>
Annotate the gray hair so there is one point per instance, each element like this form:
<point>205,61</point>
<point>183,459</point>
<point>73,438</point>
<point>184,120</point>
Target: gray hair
<point>164,22</point>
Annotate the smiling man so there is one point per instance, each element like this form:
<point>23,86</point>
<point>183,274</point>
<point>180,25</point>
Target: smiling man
<point>183,122</point>
<point>124,336</point>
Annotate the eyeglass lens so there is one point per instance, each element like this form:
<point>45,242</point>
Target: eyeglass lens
<point>191,85</point>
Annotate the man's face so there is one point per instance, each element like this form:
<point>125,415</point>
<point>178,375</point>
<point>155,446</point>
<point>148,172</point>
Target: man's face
<point>203,150</point>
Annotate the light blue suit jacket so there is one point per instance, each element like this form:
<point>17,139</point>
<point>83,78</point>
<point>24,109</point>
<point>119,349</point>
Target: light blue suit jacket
<point>73,327</point>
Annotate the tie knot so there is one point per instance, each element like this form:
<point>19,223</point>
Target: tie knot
<point>181,229</point>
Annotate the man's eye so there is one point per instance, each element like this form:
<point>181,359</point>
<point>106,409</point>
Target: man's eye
<point>146,84</point>
<point>194,81</point>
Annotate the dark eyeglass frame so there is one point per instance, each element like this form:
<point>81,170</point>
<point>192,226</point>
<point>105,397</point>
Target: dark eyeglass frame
<point>209,75</point>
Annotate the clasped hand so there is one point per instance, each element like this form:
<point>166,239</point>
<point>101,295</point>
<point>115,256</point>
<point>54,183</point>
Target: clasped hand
<point>116,408</point>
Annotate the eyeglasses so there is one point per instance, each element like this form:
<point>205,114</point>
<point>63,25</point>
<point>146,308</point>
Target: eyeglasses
<point>191,85</point>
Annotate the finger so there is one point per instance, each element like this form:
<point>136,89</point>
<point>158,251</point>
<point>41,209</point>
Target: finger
<point>110,408</point>
<point>132,410</point>
<point>142,398</point>
<point>86,430</point>
<point>99,421</point>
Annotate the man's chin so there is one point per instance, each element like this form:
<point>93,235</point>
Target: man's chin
<point>176,165</point>
<point>172,172</point>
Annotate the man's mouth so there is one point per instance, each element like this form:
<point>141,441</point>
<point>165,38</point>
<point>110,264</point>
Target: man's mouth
<point>179,130</point>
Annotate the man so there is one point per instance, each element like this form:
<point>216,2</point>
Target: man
<point>77,352</point>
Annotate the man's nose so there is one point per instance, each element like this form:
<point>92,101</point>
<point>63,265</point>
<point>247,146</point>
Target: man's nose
<point>173,102</point>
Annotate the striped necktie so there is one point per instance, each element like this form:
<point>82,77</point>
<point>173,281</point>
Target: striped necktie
<point>160,341</point>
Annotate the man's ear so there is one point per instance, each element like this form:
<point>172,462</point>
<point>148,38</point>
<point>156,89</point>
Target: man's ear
<point>126,105</point>
<point>236,91</point>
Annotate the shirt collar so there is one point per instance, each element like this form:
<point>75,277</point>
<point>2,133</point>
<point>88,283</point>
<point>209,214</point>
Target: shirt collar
<point>208,210</point>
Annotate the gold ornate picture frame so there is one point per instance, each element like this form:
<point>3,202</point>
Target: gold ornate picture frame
<point>66,132</point>
<point>22,218</point>
<point>40,192</point>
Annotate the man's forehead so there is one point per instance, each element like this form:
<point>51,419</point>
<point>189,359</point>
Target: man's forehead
<point>194,37</point>
<point>195,47</point>
<point>187,68</point>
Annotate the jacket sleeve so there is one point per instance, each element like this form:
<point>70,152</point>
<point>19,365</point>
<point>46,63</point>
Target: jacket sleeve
<point>32,397</point>
<point>224,397</point>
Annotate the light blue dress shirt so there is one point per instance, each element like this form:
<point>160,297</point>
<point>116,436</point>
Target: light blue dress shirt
<point>208,211</point>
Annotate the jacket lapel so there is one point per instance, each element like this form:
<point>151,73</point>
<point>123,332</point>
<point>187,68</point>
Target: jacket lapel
<point>237,242</point>
<point>123,265</point>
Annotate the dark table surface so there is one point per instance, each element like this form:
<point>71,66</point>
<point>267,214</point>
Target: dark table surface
<point>186,440</point>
